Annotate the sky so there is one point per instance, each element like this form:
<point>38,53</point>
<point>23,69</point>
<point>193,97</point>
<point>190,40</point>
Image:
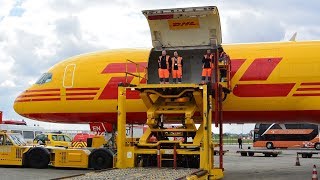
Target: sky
<point>34,35</point>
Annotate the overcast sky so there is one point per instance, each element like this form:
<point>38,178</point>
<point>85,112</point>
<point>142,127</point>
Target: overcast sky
<point>36,34</point>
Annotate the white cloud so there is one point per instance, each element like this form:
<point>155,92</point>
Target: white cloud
<point>8,83</point>
<point>48,31</point>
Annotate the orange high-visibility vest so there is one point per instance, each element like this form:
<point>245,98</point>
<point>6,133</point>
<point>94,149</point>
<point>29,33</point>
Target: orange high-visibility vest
<point>167,61</point>
<point>211,57</point>
<point>179,60</point>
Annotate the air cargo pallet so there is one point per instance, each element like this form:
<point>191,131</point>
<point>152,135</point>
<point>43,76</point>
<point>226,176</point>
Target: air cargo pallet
<point>307,154</point>
<point>267,153</point>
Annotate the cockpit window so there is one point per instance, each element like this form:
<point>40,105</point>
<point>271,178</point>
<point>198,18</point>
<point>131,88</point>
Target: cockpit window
<point>45,78</point>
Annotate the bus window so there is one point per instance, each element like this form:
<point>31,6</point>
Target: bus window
<point>28,134</point>
<point>17,131</point>
<point>276,126</point>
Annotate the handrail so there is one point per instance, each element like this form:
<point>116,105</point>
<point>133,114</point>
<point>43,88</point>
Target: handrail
<point>137,71</point>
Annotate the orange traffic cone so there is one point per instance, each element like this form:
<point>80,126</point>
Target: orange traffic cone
<point>297,161</point>
<point>314,173</point>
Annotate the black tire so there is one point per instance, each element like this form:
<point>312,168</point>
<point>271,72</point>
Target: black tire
<point>100,159</point>
<point>317,146</point>
<point>274,155</point>
<point>267,154</point>
<point>269,145</point>
<point>309,155</point>
<point>243,154</point>
<point>304,155</point>
<point>38,158</point>
<point>251,153</point>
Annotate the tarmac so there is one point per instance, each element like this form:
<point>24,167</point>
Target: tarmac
<point>236,167</point>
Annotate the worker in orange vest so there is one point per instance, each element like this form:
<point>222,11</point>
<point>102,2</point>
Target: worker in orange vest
<point>207,66</point>
<point>163,67</point>
<point>224,60</point>
<point>177,65</point>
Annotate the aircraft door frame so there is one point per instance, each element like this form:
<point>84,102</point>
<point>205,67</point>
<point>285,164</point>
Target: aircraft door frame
<point>69,70</point>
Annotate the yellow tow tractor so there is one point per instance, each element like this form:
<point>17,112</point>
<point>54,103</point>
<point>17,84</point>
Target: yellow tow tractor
<point>14,150</point>
<point>53,139</point>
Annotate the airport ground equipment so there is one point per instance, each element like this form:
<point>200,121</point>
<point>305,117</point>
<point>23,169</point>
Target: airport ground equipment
<point>267,153</point>
<point>307,154</point>
<point>53,139</point>
<point>14,150</point>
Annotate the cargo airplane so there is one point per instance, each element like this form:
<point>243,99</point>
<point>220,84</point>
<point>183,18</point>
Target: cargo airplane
<point>271,82</point>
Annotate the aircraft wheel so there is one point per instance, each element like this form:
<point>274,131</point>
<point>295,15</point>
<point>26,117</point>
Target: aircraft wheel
<point>309,155</point>
<point>38,158</point>
<point>251,153</point>
<point>267,154</point>
<point>100,159</point>
<point>269,145</point>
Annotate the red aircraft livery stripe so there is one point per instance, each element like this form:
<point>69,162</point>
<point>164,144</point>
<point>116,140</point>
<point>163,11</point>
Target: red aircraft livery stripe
<point>44,99</point>
<point>121,68</point>
<point>310,83</point>
<point>81,94</point>
<point>308,89</point>
<point>41,90</point>
<point>82,98</point>
<point>260,69</point>
<point>236,64</point>
<point>111,89</point>
<point>38,95</point>
<point>263,90</point>
<point>82,89</point>
<point>311,94</point>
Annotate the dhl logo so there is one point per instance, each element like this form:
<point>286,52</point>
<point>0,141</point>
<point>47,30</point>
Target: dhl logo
<point>259,70</point>
<point>178,24</point>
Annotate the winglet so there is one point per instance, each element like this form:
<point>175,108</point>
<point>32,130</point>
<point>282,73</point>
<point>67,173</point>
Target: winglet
<point>293,38</point>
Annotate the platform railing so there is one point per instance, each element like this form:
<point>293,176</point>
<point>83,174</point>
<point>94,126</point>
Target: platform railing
<point>140,75</point>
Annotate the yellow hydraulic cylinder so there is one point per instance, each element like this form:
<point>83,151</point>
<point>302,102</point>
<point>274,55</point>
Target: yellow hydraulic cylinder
<point>121,137</point>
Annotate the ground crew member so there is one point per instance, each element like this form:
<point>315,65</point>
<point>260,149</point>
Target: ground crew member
<point>224,60</point>
<point>240,142</point>
<point>207,66</point>
<point>177,65</point>
<point>163,67</point>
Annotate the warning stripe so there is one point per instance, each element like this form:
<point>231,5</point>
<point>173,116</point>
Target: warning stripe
<point>79,144</point>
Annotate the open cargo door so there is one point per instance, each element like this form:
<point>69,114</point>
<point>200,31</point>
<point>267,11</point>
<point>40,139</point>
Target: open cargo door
<point>184,27</point>
<point>190,31</point>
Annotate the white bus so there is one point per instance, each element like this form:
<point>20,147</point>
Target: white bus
<point>28,132</point>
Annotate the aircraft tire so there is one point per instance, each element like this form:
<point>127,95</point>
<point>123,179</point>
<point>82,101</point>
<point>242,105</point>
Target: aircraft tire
<point>100,159</point>
<point>38,158</point>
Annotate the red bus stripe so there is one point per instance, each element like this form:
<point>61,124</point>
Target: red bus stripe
<point>311,94</point>
<point>260,69</point>
<point>38,95</point>
<point>41,90</point>
<point>310,84</point>
<point>80,94</point>
<point>82,89</point>
<point>263,90</point>
<point>121,68</point>
<point>308,89</point>
<point>235,65</point>
<point>86,98</point>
